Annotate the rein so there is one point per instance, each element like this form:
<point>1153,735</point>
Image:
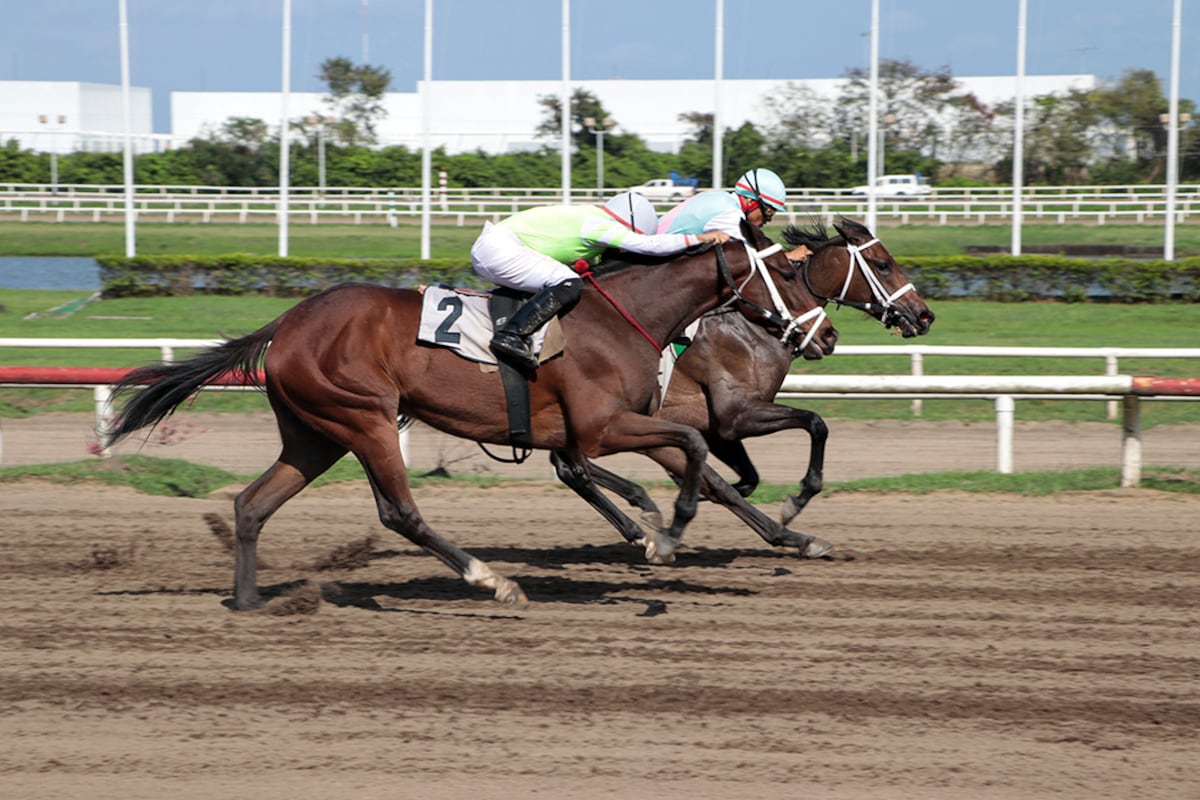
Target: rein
<point>884,302</point>
<point>781,317</point>
<point>584,269</point>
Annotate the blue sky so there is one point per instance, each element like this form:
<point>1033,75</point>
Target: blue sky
<point>235,45</point>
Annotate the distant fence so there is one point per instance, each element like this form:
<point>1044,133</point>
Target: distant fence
<point>1128,390</point>
<point>368,206</point>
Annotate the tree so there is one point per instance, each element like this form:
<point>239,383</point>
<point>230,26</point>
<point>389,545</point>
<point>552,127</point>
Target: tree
<point>584,104</point>
<point>355,98</point>
<point>913,98</point>
<point>1128,125</point>
<point>1056,148</point>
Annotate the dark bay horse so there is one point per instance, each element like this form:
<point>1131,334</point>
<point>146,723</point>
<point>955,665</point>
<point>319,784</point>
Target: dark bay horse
<point>341,365</point>
<point>725,382</point>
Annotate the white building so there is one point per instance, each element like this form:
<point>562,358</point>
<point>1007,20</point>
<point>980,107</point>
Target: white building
<point>493,116</point>
<point>65,116</point>
<point>502,116</point>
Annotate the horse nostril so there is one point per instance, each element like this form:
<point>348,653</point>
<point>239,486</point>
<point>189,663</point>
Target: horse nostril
<point>830,337</point>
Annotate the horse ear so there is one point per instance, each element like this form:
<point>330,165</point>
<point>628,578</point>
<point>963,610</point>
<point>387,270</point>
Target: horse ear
<point>837,226</point>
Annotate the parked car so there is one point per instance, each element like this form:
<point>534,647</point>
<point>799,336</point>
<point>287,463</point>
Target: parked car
<point>895,186</point>
<point>667,190</point>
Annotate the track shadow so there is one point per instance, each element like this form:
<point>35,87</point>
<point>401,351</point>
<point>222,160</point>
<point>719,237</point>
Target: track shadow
<point>610,554</point>
<point>539,589</point>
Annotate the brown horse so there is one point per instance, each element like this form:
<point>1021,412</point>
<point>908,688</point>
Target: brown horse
<point>341,366</point>
<point>725,383</point>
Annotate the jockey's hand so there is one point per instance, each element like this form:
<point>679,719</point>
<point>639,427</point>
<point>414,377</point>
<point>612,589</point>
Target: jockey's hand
<point>713,237</point>
<point>800,254</point>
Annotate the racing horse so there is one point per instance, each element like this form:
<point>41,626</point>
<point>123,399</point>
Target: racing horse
<point>725,382</point>
<point>340,366</point>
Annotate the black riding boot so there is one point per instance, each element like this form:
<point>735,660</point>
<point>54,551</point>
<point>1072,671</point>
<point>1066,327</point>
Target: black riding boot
<point>511,342</point>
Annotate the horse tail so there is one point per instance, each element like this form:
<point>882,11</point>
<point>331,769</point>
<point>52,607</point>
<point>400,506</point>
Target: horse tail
<point>155,391</point>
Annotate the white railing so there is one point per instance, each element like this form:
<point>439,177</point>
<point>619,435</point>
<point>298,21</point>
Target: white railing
<point>1112,355</point>
<point>1002,389</point>
<point>364,205</point>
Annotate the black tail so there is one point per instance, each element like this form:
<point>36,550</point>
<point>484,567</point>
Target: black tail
<point>154,392</point>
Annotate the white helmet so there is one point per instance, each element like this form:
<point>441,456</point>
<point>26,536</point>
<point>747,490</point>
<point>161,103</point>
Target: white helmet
<point>633,211</point>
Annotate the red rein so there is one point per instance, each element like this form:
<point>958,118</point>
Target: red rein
<point>585,271</point>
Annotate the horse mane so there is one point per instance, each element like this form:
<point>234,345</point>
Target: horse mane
<point>815,235</point>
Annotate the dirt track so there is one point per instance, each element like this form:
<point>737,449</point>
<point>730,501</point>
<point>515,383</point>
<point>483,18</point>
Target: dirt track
<point>960,646</point>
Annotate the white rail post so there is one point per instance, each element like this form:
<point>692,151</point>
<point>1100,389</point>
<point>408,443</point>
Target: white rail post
<point>1131,443</point>
<point>918,369</point>
<point>1110,368</point>
<point>1004,434</point>
<point>102,396</point>
<point>404,446</point>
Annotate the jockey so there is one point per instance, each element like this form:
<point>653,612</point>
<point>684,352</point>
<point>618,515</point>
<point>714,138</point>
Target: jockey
<point>535,250</point>
<point>756,196</point>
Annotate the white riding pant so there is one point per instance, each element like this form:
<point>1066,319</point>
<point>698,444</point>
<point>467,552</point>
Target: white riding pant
<point>499,256</point>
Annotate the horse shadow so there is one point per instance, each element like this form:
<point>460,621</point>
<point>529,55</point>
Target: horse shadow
<point>539,588</point>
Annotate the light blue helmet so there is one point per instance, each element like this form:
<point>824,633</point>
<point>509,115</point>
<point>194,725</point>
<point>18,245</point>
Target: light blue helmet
<point>633,211</point>
<point>764,186</point>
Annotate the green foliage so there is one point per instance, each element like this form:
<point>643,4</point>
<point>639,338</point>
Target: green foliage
<point>1108,135</point>
<point>1042,277</point>
<point>996,277</point>
<point>238,274</point>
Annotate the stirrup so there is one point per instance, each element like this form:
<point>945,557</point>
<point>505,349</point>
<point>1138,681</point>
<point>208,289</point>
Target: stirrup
<point>513,348</point>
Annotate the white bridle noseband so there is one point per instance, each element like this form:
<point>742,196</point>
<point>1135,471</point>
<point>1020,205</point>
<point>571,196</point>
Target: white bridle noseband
<point>882,298</point>
<point>814,316</point>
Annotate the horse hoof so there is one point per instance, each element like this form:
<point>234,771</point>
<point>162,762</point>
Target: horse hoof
<point>817,548</point>
<point>660,548</point>
<point>509,593</point>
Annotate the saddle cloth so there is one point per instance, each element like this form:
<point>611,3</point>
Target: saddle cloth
<point>459,319</point>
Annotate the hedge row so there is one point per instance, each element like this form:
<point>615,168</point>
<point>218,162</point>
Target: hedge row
<point>1003,278</point>
<point>275,276</point>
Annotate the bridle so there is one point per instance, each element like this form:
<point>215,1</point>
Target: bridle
<point>884,302</point>
<point>789,324</point>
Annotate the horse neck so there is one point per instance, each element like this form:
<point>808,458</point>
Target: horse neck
<point>664,298</point>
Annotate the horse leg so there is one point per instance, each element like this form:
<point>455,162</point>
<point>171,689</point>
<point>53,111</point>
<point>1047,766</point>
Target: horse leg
<point>718,490</point>
<point>631,431</point>
<point>575,473</point>
<point>734,455</point>
<point>305,455</point>
<point>759,418</point>
<point>378,449</point>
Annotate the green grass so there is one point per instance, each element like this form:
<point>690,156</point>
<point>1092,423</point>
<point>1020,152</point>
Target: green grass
<point>172,477</point>
<point>959,322</point>
<point>175,478</point>
<point>1032,484</point>
<point>153,238</point>
<point>452,241</point>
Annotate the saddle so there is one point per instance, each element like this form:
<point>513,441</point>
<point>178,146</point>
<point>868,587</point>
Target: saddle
<point>463,320</point>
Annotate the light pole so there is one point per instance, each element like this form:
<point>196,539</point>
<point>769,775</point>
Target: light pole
<point>598,129</point>
<point>60,120</point>
<point>1181,122</point>
<point>320,122</point>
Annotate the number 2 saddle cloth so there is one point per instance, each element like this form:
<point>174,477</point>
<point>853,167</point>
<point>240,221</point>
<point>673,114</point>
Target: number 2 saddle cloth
<point>461,320</point>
